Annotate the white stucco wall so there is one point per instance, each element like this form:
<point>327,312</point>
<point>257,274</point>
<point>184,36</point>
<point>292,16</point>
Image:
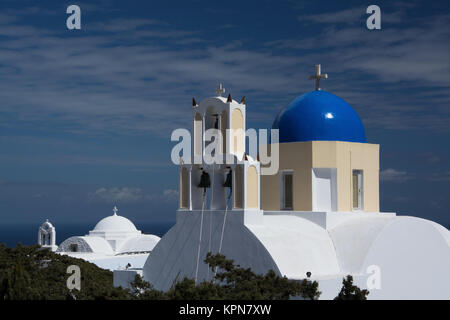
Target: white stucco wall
<point>175,255</point>
<point>414,259</point>
<point>297,245</point>
<point>413,254</point>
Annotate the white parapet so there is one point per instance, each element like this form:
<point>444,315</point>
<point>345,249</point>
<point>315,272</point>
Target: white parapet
<point>330,219</point>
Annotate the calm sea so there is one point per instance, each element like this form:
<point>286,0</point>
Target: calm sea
<point>26,234</point>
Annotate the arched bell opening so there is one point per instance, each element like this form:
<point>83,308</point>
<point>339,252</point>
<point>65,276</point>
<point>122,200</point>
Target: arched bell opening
<point>238,190</point>
<point>228,179</point>
<point>43,238</point>
<point>205,181</point>
<point>211,118</point>
<point>196,192</point>
<point>198,135</point>
<point>223,130</point>
<point>184,188</point>
<point>227,186</point>
<point>46,235</point>
<point>212,121</point>
<point>204,189</point>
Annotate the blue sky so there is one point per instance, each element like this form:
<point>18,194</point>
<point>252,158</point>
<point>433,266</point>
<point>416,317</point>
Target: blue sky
<point>86,116</point>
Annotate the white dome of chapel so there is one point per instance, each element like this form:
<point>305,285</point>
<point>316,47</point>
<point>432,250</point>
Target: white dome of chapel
<point>115,223</point>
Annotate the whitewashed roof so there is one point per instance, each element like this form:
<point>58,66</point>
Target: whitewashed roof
<point>141,243</point>
<point>297,246</point>
<point>115,223</point>
<point>113,235</point>
<point>86,244</point>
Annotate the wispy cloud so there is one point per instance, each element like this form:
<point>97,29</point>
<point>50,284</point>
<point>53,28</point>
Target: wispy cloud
<point>115,195</point>
<point>352,16</point>
<point>393,175</point>
<point>70,160</point>
<point>171,194</point>
<point>123,80</point>
<point>136,76</point>
<point>347,16</point>
<point>440,177</point>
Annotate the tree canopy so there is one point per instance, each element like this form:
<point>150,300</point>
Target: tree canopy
<point>33,273</point>
<point>231,282</point>
<point>350,291</point>
<point>30,273</point>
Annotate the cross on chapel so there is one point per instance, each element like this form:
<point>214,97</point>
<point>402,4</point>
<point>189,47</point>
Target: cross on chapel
<point>318,76</point>
<point>220,90</point>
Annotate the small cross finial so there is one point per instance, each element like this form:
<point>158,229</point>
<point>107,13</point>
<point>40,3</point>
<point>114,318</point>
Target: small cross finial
<point>220,90</point>
<point>115,210</point>
<point>318,76</point>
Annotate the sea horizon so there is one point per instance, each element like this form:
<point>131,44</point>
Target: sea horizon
<point>27,233</point>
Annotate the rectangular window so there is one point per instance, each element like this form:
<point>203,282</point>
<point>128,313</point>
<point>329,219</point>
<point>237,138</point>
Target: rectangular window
<point>357,189</point>
<point>287,190</point>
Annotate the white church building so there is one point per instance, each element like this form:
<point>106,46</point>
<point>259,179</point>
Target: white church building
<point>115,243</point>
<point>318,214</point>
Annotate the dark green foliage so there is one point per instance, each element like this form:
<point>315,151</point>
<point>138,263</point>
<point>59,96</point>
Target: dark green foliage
<point>143,290</point>
<point>350,291</point>
<point>241,283</point>
<point>233,283</point>
<point>186,289</point>
<point>29,273</point>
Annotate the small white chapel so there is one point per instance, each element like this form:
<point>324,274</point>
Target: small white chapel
<point>115,243</point>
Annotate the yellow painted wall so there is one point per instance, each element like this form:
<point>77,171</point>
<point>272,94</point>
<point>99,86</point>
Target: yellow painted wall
<point>237,131</point>
<point>252,188</point>
<point>357,156</point>
<point>301,157</point>
<point>297,157</point>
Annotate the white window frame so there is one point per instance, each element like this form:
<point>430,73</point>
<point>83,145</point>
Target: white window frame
<point>332,173</point>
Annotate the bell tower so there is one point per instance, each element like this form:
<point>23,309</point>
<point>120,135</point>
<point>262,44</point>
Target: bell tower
<point>47,236</point>
<point>221,176</point>
<point>218,116</point>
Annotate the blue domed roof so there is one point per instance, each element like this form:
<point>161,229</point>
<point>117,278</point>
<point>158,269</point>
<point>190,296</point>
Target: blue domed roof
<point>319,115</point>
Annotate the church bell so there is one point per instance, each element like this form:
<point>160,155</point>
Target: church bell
<point>228,182</point>
<point>205,181</point>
